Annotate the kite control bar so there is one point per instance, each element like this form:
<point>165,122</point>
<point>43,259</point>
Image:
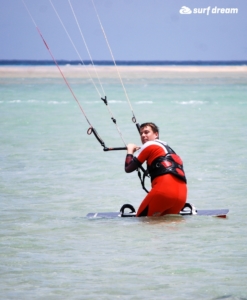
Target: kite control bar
<point>102,143</point>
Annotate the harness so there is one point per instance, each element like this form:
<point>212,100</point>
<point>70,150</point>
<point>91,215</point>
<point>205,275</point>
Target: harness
<point>171,163</point>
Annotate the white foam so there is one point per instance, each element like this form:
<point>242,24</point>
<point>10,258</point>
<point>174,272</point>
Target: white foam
<point>32,101</point>
<point>191,102</point>
<point>15,101</point>
<point>144,102</point>
<point>115,101</point>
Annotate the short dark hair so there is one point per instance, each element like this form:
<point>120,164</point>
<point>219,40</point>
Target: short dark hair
<point>154,127</point>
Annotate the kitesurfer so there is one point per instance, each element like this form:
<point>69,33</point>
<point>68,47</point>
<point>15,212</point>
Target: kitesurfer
<point>169,189</point>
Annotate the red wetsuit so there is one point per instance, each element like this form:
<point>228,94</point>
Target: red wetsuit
<point>169,192</point>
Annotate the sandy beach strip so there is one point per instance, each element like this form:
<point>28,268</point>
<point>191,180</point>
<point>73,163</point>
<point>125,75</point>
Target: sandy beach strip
<point>125,71</point>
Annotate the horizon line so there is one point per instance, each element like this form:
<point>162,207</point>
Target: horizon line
<point>121,62</point>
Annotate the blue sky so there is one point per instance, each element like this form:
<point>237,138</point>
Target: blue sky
<point>136,30</point>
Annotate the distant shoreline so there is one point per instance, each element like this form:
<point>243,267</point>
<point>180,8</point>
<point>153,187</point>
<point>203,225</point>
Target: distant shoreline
<point>125,71</point>
<point>62,62</point>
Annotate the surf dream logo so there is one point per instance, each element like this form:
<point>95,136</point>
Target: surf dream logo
<point>184,10</point>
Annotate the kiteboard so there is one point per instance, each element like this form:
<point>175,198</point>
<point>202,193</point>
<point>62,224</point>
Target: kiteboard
<point>188,210</point>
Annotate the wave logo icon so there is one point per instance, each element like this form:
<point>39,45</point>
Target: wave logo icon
<point>184,10</point>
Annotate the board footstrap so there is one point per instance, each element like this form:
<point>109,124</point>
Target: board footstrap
<point>188,209</point>
<point>132,212</point>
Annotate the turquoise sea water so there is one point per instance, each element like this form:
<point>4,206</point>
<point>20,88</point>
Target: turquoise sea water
<point>53,174</point>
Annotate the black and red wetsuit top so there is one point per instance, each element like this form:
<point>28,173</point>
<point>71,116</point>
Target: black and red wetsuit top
<point>161,160</point>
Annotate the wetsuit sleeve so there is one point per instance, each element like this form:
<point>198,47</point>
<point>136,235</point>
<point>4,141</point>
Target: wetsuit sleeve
<point>149,152</point>
<point>131,163</point>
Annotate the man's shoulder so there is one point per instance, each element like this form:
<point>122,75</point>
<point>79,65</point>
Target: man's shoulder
<point>155,143</point>
<point>161,142</point>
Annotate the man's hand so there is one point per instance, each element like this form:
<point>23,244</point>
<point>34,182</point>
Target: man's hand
<point>132,148</point>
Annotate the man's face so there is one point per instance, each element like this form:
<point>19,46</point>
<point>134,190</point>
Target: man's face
<point>147,134</point>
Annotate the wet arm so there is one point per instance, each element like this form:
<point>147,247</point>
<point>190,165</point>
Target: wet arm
<point>131,163</point>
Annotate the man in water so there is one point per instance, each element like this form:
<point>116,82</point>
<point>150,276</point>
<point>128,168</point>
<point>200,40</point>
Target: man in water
<point>169,189</point>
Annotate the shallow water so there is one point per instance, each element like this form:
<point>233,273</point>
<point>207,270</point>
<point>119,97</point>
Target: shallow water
<point>53,174</point>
